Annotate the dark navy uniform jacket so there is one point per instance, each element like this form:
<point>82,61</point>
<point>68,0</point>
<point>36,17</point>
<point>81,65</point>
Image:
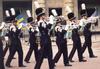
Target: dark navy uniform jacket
<point>60,37</point>
<point>15,37</point>
<point>32,36</point>
<point>45,37</point>
<point>75,35</point>
<point>87,31</point>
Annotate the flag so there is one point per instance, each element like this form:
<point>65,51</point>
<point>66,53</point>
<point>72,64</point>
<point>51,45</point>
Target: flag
<point>21,22</point>
<point>20,18</point>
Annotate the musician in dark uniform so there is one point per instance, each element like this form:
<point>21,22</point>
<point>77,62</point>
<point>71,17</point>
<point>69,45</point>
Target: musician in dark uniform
<point>45,41</point>
<point>1,48</point>
<point>32,41</point>
<point>8,43</point>
<point>75,38</point>
<point>15,45</point>
<point>61,42</point>
<point>85,22</point>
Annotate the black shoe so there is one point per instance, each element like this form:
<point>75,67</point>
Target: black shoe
<point>71,60</point>
<point>22,66</point>
<point>8,65</point>
<point>27,61</point>
<point>93,56</point>
<point>68,64</point>
<point>14,58</point>
<point>54,65</point>
<point>82,60</point>
<point>83,57</point>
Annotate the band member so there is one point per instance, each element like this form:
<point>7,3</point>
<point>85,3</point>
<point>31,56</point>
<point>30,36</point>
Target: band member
<point>85,23</point>
<point>61,42</point>
<point>1,47</point>
<point>8,44</point>
<point>45,41</point>
<point>75,38</point>
<point>32,41</point>
<point>15,45</point>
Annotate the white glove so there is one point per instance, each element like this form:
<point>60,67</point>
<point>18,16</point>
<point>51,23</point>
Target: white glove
<point>20,26</point>
<point>32,30</point>
<point>6,38</point>
<point>14,29</point>
<point>37,29</point>
<point>60,29</point>
<point>66,27</point>
<point>44,25</point>
<point>2,25</point>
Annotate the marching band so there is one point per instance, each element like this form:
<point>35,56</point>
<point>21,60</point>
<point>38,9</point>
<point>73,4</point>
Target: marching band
<point>45,27</point>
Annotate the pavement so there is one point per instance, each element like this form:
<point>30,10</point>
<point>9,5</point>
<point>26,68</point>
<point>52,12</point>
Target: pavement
<point>92,63</point>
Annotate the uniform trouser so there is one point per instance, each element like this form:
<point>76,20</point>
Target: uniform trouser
<point>15,49</point>
<point>35,48</point>
<point>1,58</point>
<point>88,43</point>
<point>77,47</point>
<point>62,49</point>
<point>6,49</point>
<point>42,56</point>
